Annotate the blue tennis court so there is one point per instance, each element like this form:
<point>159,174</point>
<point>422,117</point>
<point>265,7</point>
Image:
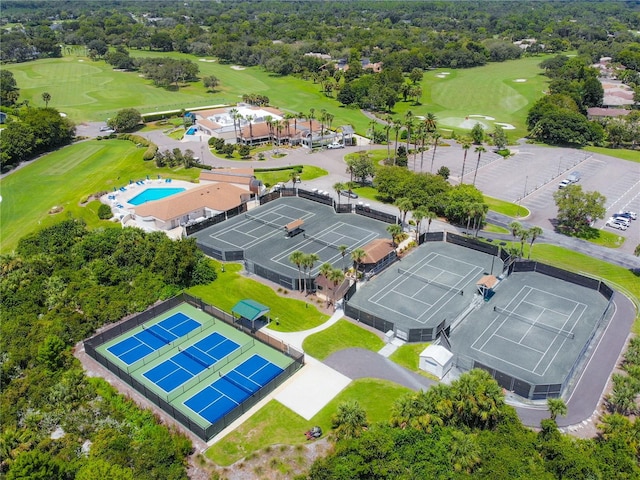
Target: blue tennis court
<point>152,338</point>
<point>226,393</point>
<point>191,361</point>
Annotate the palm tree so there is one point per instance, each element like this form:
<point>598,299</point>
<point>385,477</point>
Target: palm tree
<point>408,123</point>
<point>336,276</point>
<point>357,256</point>
<point>293,176</point>
<point>395,231</point>
<point>387,129</point>
<point>404,206</point>
<point>310,117</point>
<point>524,235</point>
<point>465,146</point>
<point>479,150</point>
<point>268,119</point>
<point>534,232</point>
<point>372,129</point>
<point>338,187</point>
<point>421,134</point>
<point>46,98</point>
<point>309,261</point>
<point>323,117</point>
<point>436,137</point>
<point>325,271</point>
<point>418,215</point>
<point>514,228</point>
<point>556,407</point>
<point>480,212</point>
<point>297,258</point>
<point>465,452</point>
<point>349,421</point>
<point>430,122</point>
<point>397,126</point>
<point>250,118</point>
<point>343,251</point>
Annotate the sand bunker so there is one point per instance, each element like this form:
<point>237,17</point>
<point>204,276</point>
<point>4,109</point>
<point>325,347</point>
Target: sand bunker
<point>446,73</point>
<point>468,124</point>
<point>506,126</point>
<point>441,76</point>
<point>520,80</point>
<point>237,67</point>
<point>205,60</point>
<point>486,117</point>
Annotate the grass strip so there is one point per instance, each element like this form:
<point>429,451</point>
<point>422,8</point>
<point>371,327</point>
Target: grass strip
<point>339,336</point>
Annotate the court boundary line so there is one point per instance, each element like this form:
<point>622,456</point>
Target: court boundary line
<point>529,289</point>
<point>400,280</point>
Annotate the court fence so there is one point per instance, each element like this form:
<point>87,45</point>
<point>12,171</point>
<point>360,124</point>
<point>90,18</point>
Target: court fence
<point>220,217</point>
<point>202,429</point>
<point>472,243</point>
<point>552,390</point>
<point>430,237</point>
<point>369,212</point>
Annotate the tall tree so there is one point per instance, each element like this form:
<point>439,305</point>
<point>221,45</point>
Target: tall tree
<point>297,258</point>
<point>576,209</point>
<point>465,146</point>
<point>556,407</point>
<point>395,231</point>
<point>308,263</point>
<point>436,138</point>
<point>357,255</point>
<point>479,150</point>
<point>336,277</point>
<point>343,249</point>
<point>534,233</point>
<point>349,421</point>
<point>46,98</point>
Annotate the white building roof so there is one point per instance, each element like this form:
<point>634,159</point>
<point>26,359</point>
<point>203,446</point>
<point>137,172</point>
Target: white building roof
<point>440,354</point>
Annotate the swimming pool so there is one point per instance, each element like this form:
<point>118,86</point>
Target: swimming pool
<point>192,131</point>
<point>151,194</point>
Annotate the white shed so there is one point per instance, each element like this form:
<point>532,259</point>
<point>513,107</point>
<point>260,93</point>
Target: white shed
<point>437,360</point>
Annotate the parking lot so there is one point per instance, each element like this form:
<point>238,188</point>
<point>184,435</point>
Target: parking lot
<point>531,176</point>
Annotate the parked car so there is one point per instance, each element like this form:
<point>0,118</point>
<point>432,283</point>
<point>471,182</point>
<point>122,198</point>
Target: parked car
<point>335,145</point>
<point>574,177</point>
<point>348,193</point>
<point>564,183</point>
<point>627,214</point>
<point>624,220</point>
<point>617,224</point>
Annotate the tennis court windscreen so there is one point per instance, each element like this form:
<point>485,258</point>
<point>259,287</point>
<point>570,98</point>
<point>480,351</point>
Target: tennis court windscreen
<point>528,321</point>
<point>427,281</point>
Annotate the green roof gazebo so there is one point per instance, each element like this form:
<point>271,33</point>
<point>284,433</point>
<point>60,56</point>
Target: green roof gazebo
<point>249,309</point>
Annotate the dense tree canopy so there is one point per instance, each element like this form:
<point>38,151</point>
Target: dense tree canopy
<point>577,209</point>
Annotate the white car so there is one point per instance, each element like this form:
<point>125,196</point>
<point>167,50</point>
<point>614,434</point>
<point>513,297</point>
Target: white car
<point>335,145</point>
<point>564,183</point>
<point>624,220</point>
<point>617,224</point>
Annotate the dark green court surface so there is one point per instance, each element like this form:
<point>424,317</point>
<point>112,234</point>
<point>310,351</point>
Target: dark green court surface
<point>261,235</point>
<point>535,329</point>
<point>431,286</point>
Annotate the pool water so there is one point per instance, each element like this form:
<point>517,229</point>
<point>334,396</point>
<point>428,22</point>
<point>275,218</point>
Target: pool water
<point>192,131</point>
<point>151,194</point>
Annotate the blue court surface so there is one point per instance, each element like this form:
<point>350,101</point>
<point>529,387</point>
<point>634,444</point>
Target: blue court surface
<point>226,393</point>
<point>152,338</point>
<point>191,361</point>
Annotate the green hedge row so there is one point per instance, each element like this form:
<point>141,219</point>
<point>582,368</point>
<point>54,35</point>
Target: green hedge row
<point>297,168</point>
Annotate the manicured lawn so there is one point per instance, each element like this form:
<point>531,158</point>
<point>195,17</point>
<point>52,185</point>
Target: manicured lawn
<point>408,355</point>
<point>607,239</point>
<point>276,424</point>
<point>491,228</point>
<point>490,90</point>
<point>231,287</point>
<point>339,336</point>
<point>89,90</point>
<point>631,155</point>
<point>309,172</point>
<point>67,178</point>
<point>506,208</point>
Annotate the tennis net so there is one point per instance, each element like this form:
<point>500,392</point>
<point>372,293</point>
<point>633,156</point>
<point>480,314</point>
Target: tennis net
<point>428,281</point>
<point>195,358</point>
<point>239,385</point>
<point>321,242</point>
<point>264,222</point>
<point>157,335</point>
<point>528,321</point>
